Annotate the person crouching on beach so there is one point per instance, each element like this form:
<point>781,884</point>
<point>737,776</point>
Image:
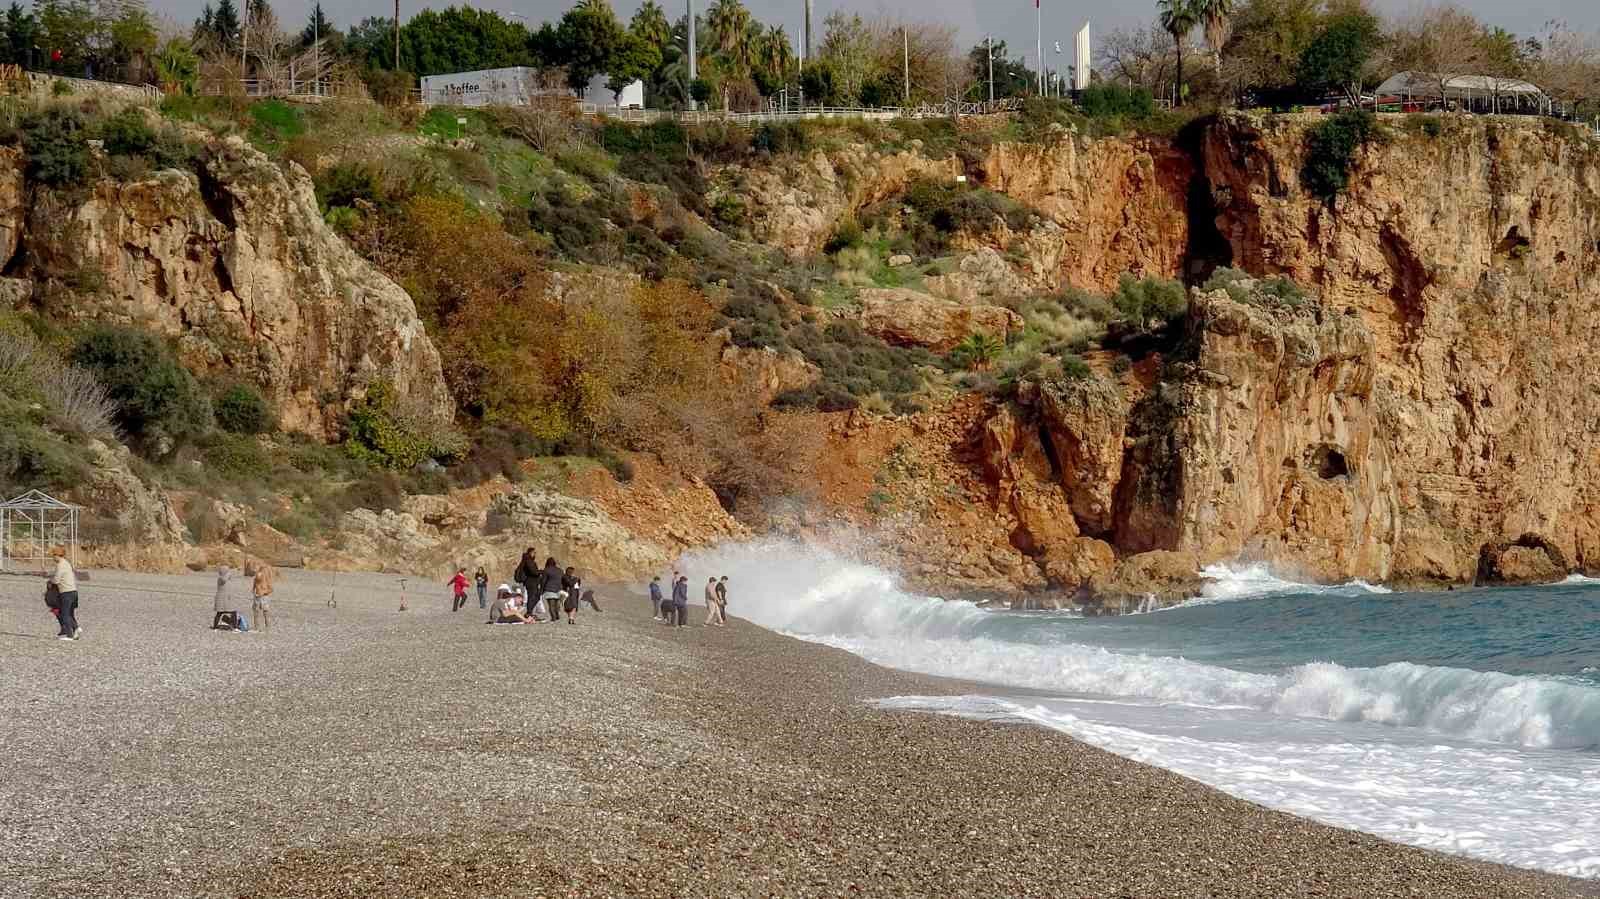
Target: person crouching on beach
<point>550,588</point>
<point>458,585</point>
<point>65,582</point>
<point>655,598</point>
<point>680,601</point>
<point>261,595</point>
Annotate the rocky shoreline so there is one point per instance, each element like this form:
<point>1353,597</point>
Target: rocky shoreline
<point>358,751</point>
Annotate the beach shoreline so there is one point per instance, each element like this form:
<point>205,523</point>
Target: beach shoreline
<point>358,750</point>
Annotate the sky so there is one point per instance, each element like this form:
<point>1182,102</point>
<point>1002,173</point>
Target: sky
<point>1010,20</point>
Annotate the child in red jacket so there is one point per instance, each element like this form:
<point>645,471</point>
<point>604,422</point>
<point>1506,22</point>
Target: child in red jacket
<point>459,584</point>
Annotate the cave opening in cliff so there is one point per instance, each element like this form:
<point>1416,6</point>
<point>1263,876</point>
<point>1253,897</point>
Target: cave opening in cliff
<point>1329,463</point>
<point>1207,249</point>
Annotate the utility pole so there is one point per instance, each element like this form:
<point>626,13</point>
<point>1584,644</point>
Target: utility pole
<point>1038,17</point>
<point>905,39</point>
<point>316,49</point>
<point>694,62</point>
<point>990,40</point>
<point>397,35</point>
<point>807,53</point>
<point>244,46</point>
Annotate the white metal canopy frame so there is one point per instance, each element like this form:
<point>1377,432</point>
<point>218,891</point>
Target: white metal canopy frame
<point>33,524</point>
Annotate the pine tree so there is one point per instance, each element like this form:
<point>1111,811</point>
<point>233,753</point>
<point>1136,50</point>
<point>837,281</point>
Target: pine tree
<point>317,26</point>
<point>225,24</point>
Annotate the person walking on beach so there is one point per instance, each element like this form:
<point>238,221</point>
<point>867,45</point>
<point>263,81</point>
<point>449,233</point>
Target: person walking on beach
<point>712,606</point>
<point>570,585</point>
<point>261,593</point>
<point>680,601</point>
<point>482,580</point>
<point>65,582</point>
<point>655,598</point>
<point>722,600</point>
<point>550,588</point>
<point>458,585</point>
<point>224,604</point>
<point>527,573</point>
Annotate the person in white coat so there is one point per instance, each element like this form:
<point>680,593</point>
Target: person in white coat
<point>65,581</point>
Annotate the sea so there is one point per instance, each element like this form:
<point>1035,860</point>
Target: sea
<point>1465,721</point>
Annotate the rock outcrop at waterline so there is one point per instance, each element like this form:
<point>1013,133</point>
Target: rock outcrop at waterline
<point>236,263</point>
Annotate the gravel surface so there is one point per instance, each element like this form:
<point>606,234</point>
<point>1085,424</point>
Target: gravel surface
<point>359,751</point>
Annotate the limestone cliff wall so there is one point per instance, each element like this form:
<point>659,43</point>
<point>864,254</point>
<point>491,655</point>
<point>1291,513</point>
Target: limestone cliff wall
<point>237,265</point>
<point>1472,257</point>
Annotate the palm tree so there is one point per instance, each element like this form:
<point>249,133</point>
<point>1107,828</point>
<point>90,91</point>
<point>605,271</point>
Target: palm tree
<point>1178,18</point>
<point>650,25</point>
<point>1216,17</point>
<point>775,54</point>
<point>730,24</point>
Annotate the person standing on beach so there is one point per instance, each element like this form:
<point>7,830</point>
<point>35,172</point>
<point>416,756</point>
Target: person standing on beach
<point>680,601</point>
<point>655,598</point>
<point>224,604</point>
<point>261,591</point>
<point>712,606</point>
<point>527,573</point>
<point>550,588</point>
<point>482,580</point>
<point>722,600</point>
<point>65,582</point>
<point>570,585</point>
<point>458,585</point>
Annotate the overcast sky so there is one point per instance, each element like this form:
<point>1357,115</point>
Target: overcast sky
<point>1012,20</point>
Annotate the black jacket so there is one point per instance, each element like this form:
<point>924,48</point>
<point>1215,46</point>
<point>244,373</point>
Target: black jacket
<point>550,581</point>
<point>527,572</point>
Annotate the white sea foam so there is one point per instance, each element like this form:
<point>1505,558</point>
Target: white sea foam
<point>1224,583</point>
<point>1536,809</point>
<point>1479,763</point>
<point>825,597</point>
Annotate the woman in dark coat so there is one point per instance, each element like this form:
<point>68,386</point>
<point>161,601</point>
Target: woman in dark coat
<point>550,588</point>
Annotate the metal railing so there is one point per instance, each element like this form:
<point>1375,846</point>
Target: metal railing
<point>266,88</point>
<point>806,113</point>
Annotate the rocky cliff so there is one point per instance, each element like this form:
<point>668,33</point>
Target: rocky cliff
<point>1470,252</point>
<point>236,263</point>
<point>1428,414</point>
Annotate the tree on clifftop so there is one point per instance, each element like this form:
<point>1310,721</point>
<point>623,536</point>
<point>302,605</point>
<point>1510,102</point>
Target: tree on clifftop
<point>1340,56</point>
<point>1178,18</point>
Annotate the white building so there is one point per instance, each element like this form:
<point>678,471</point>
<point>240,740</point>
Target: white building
<point>514,86</point>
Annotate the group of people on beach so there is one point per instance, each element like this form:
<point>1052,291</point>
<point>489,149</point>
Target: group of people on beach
<point>226,608</point>
<point>560,591</point>
<point>675,610</point>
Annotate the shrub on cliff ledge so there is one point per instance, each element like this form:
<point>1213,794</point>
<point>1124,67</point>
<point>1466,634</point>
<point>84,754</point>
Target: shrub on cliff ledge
<point>54,140</point>
<point>1331,148</point>
<point>159,403</point>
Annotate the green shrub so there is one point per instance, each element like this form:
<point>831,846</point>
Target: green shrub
<point>1331,148</point>
<point>54,141</point>
<point>1106,100</point>
<point>241,409</point>
<point>780,137</point>
<point>943,208</point>
<point>977,352</point>
<point>159,403</point>
<point>274,123</point>
<point>235,457</point>
<point>346,183</point>
<point>127,134</point>
<point>847,235</point>
<point>1147,302</point>
<point>383,430</point>
<point>1242,288</point>
<point>1074,368</point>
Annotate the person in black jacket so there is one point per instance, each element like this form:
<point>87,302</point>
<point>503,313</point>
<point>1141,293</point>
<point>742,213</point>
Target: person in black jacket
<point>680,601</point>
<point>550,588</point>
<point>569,590</point>
<point>527,573</point>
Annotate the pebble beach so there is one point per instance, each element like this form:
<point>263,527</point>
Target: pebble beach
<point>360,751</point>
